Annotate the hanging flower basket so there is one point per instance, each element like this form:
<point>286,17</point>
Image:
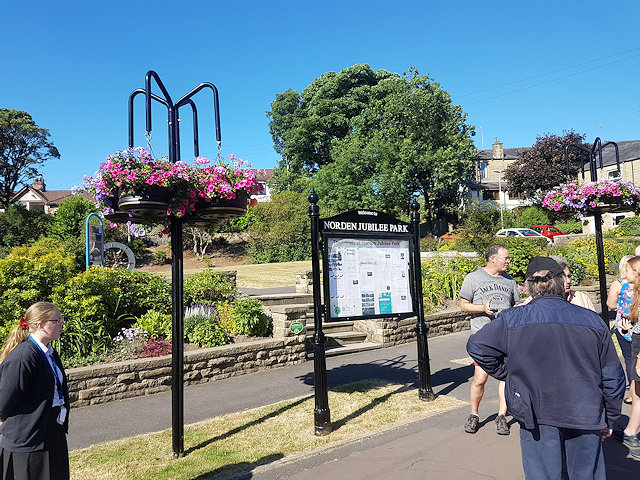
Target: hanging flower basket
<point>586,199</point>
<point>218,209</point>
<point>152,203</point>
<point>147,190</point>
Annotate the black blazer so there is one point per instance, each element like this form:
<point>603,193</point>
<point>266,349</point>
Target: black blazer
<point>26,393</point>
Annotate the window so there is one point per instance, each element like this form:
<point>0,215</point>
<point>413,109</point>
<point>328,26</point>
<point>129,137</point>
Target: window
<point>613,174</point>
<point>490,195</point>
<point>483,170</point>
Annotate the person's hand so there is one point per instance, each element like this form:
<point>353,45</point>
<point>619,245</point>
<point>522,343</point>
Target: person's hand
<point>625,324</point>
<point>638,366</point>
<point>487,309</point>
<point>605,433</point>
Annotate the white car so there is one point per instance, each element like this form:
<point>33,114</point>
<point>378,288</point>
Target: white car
<point>521,232</point>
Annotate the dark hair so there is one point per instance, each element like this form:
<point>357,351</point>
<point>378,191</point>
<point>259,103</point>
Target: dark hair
<point>493,250</point>
<point>545,282</point>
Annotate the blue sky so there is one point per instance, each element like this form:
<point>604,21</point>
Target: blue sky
<point>519,69</point>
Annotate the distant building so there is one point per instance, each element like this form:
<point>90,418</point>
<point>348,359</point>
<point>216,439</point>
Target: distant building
<point>37,197</point>
<point>265,178</point>
<point>489,184</point>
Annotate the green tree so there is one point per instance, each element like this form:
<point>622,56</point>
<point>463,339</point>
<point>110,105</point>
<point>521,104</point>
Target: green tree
<point>23,147</point>
<point>281,232</point>
<point>70,217</point>
<point>19,226</point>
<point>543,166</point>
<point>372,139</point>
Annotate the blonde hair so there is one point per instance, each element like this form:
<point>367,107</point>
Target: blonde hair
<point>35,314</point>
<point>622,266</point>
<point>634,264</point>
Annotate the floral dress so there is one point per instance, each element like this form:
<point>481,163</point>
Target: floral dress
<point>625,299</point>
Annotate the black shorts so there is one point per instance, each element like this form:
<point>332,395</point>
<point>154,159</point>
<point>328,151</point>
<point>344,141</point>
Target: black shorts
<point>635,350</point>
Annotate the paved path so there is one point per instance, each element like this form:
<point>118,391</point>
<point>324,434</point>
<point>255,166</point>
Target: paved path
<point>431,448</point>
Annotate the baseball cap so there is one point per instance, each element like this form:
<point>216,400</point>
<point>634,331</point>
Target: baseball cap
<point>543,263</point>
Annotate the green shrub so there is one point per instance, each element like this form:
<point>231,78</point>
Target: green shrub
<point>19,226</point>
<point>521,251</point>
<point>29,274</point>
<point>98,302</point>
<point>442,279</point>
<point>156,324</point>
<point>160,258</point>
<point>208,286</point>
<point>630,226</point>
<point>533,216</point>
<point>207,334</point>
<point>190,324</point>
<point>570,226</point>
<point>70,218</point>
<point>584,251</point>
<point>227,319</point>
<point>281,231</point>
<point>250,318</point>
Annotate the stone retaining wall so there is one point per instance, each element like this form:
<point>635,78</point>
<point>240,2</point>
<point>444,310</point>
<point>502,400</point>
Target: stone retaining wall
<point>392,331</point>
<point>114,381</point>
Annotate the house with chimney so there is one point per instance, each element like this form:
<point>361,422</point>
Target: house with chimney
<point>488,184</point>
<point>37,197</point>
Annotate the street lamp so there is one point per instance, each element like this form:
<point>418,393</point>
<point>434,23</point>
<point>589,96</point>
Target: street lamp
<point>499,172</point>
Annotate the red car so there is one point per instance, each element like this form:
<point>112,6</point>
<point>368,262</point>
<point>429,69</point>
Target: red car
<point>548,231</point>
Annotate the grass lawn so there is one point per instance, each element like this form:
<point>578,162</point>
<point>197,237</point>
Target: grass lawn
<point>265,275</point>
<point>243,441</point>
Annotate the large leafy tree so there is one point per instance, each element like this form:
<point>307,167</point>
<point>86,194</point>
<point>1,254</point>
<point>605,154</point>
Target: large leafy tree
<point>372,139</point>
<point>543,166</point>
<point>23,147</point>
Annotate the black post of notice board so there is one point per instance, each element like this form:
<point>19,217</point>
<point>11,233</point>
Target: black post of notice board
<point>425,390</point>
<point>321,412</point>
<point>371,270</point>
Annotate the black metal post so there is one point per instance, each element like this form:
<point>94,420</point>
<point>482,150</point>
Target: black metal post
<point>425,391</point>
<point>177,345</point>
<point>177,277</point>
<point>592,154</point>
<point>321,413</point>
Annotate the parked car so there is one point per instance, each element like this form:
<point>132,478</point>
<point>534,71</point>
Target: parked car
<point>520,232</point>
<point>548,231</point>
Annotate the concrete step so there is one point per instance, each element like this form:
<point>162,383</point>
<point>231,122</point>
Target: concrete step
<point>339,339</point>
<point>352,348</point>
<point>286,299</point>
<point>331,327</point>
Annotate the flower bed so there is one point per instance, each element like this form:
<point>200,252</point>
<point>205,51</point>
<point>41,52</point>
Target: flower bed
<point>585,199</point>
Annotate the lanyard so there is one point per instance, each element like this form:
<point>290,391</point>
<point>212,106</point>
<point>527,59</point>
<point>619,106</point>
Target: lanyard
<point>54,368</point>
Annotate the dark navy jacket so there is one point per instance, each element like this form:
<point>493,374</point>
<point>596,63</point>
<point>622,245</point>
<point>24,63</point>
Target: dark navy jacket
<point>26,396</point>
<point>558,361</point>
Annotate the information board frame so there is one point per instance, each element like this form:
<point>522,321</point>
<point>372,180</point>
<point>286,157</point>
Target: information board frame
<point>361,227</point>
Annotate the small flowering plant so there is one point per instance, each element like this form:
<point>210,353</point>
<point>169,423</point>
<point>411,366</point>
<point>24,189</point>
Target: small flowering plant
<point>583,198</point>
<point>135,172</point>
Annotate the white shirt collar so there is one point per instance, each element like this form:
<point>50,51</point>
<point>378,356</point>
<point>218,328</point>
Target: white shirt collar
<point>48,349</point>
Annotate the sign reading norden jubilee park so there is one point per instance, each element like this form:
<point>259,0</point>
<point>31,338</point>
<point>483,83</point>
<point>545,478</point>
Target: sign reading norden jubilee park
<point>367,260</point>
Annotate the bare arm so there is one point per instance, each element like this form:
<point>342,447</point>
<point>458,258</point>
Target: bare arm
<point>468,307</point>
<point>612,298</point>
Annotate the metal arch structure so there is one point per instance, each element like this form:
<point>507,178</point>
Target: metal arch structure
<point>594,156</point>
<point>177,274</point>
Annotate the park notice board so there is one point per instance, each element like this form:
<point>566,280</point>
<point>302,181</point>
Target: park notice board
<point>367,265</point>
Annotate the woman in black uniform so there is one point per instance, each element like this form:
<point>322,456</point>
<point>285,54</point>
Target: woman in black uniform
<point>34,399</point>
